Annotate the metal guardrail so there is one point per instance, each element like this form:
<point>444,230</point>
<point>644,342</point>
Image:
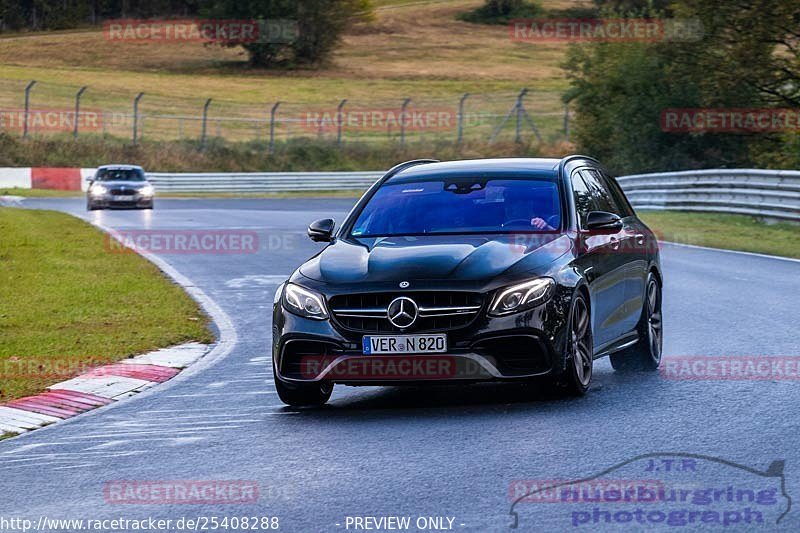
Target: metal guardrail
<point>263,181</point>
<point>773,194</point>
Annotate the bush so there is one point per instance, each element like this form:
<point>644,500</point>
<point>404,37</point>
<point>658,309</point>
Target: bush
<point>502,12</point>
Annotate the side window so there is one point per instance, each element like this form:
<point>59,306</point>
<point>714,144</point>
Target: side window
<point>600,193</point>
<point>584,201</point>
<point>618,195</point>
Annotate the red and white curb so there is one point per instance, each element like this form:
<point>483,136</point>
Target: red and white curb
<point>58,178</point>
<point>97,388</point>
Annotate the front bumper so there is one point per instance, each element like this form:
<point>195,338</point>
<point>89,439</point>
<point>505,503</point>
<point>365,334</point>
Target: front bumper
<point>108,201</point>
<point>519,346</point>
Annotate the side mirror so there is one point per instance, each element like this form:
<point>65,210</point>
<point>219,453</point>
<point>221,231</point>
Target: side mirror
<point>321,230</point>
<point>603,222</point>
<point>89,178</point>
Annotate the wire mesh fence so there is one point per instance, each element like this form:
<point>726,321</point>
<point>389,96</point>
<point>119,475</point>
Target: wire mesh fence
<point>34,109</point>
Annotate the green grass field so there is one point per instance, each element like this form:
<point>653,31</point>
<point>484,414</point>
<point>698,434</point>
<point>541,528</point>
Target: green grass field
<point>412,49</point>
<point>67,302</point>
<point>731,232</point>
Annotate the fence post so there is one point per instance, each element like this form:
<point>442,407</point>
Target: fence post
<point>77,110</point>
<point>520,111</point>
<point>403,121</point>
<point>461,118</point>
<point>272,127</point>
<point>27,108</point>
<point>339,121</point>
<point>205,122</point>
<point>136,117</point>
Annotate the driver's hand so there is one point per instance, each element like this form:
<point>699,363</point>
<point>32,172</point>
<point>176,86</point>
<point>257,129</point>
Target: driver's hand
<point>539,223</point>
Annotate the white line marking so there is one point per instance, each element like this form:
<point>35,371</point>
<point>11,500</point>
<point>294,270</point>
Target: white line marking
<point>753,254</point>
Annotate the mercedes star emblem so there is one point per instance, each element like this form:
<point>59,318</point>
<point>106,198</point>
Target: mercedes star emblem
<point>402,312</point>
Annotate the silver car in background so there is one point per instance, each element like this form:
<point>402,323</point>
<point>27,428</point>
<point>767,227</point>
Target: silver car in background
<point>123,186</point>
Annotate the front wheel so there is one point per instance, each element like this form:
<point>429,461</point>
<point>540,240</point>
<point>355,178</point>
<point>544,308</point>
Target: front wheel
<point>646,353</point>
<point>580,349</point>
<point>302,394</point>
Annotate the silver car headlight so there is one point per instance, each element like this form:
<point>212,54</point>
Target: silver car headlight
<point>304,302</point>
<point>98,190</point>
<point>521,297</point>
<point>147,190</point>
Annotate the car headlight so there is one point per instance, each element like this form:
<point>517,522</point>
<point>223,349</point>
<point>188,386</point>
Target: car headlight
<point>521,297</point>
<point>99,190</point>
<point>304,302</point>
<point>147,190</point>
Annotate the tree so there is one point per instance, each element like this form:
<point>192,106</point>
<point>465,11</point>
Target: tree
<point>746,58</point>
<point>319,26</point>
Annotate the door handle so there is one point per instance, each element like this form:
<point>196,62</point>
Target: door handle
<point>640,239</point>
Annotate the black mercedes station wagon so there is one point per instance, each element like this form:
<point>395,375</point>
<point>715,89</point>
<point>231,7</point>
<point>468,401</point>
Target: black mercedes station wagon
<point>468,271</point>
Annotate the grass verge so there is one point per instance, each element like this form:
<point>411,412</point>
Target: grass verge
<point>67,303</point>
<point>6,436</point>
<point>40,193</point>
<point>731,232</point>
<point>301,154</point>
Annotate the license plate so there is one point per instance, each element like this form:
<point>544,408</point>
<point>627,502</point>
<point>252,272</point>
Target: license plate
<point>388,344</point>
<point>122,197</point>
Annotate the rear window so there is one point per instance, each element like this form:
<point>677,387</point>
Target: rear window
<point>461,205</point>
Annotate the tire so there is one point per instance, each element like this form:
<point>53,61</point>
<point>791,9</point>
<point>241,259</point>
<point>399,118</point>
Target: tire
<point>579,348</point>
<point>91,207</point>
<point>646,353</point>
<point>302,394</point>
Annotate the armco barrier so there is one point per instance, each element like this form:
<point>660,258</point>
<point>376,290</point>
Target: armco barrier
<point>772,194</point>
<point>263,181</point>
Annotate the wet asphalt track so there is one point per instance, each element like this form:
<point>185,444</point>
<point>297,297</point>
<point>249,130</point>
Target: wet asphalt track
<point>418,452</point>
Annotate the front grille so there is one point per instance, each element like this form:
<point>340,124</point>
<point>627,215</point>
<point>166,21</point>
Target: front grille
<point>438,311</point>
<point>125,191</point>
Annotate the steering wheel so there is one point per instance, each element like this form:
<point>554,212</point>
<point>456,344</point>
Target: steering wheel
<point>511,222</point>
<point>550,221</point>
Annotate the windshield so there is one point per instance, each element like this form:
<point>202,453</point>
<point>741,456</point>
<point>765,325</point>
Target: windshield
<point>462,205</point>
<point>119,174</point>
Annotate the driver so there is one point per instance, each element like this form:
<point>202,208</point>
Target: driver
<point>519,209</point>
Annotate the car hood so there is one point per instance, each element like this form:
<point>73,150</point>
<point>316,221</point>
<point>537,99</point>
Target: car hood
<point>467,257</point>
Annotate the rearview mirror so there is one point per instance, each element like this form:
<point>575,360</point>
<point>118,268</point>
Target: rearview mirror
<point>603,222</point>
<point>321,230</point>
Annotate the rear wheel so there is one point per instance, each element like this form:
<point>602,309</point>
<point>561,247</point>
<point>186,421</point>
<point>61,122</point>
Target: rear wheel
<point>646,353</point>
<point>302,394</point>
<point>580,352</point>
